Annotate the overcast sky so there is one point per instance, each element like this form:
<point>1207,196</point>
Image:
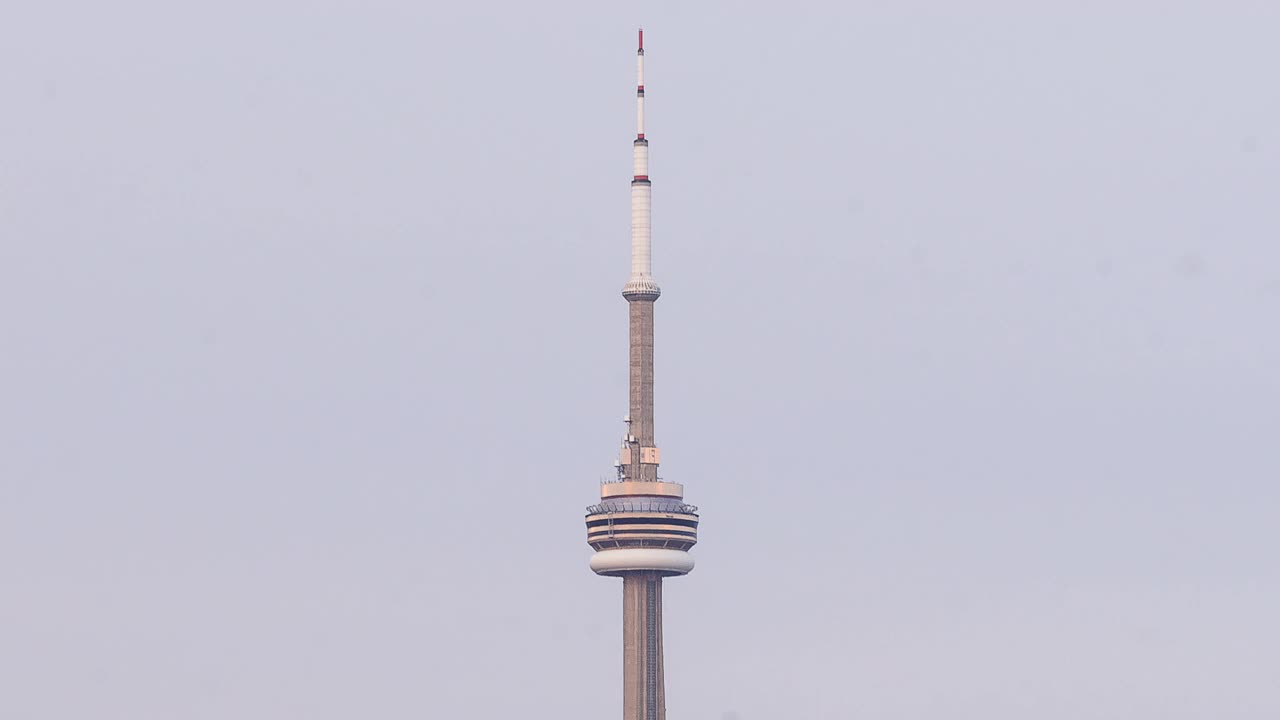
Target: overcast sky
<point>313,354</point>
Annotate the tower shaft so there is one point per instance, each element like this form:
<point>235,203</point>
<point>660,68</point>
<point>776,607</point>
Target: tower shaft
<point>643,691</point>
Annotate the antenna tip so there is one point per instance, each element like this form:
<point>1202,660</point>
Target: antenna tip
<point>641,38</point>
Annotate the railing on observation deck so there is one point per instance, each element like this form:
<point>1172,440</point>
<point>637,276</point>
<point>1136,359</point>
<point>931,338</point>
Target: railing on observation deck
<point>642,505</point>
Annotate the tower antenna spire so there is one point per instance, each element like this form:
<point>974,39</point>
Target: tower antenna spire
<point>640,87</point>
<point>641,282</point>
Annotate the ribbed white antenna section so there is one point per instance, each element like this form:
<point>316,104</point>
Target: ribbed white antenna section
<point>641,283</point>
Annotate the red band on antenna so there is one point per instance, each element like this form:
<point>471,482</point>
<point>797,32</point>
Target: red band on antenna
<point>641,38</point>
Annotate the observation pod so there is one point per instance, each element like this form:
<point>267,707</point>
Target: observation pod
<point>642,527</point>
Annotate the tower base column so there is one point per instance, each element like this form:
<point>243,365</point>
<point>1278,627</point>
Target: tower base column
<point>643,694</point>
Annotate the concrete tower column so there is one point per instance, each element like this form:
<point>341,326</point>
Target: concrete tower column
<point>643,688</point>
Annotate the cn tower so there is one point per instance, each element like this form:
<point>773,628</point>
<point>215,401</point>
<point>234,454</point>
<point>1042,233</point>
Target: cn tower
<point>642,529</point>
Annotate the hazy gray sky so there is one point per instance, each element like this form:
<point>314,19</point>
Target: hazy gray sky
<point>313,354</point>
